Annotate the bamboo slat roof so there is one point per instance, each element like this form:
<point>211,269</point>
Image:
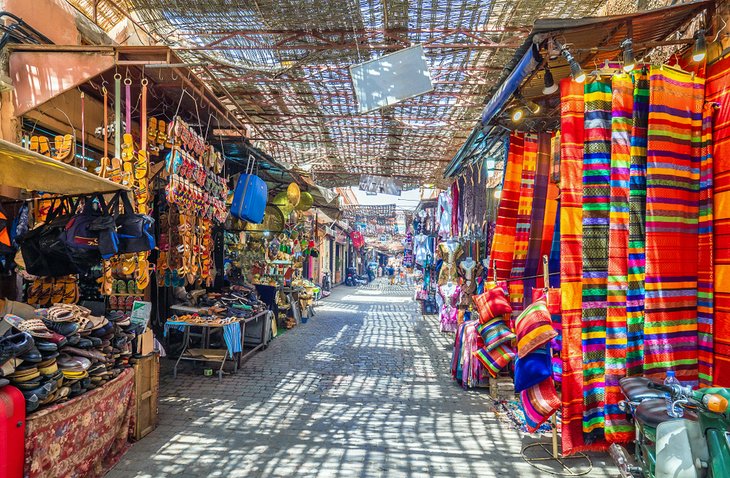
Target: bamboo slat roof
<point>286,66</point>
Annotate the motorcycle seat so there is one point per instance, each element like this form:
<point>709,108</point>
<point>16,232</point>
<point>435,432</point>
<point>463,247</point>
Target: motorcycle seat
<point>653,412</point>
<point>636,389</point>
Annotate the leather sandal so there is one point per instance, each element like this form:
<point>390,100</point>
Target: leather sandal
<point>44,147</point>
<point>34,327</point>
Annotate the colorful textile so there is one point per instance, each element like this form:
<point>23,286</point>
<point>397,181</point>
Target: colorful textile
<point>456,370</point>
<point>534,328</point>
<point>533,261</point>
<point>618,428</point>
<point>492,302</point>
<point>705,240</point>
<point>539,403</point>
<point>717,91</point>
<point>503,241</point>
<point>637,229</point>
<point>58,439</point>
<point>522,229</point>
<point>571,261</point>
<point>533,369</point>
<point>496,359</point>
<point>596,205</point>
<point>672,210</point>
<point>495,333</point>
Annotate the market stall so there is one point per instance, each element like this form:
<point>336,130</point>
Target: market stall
<point>601,263</point>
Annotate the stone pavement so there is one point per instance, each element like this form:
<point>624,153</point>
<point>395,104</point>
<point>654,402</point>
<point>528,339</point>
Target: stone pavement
<point>362,390</point>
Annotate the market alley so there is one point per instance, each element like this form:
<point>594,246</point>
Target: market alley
<point>362,389</point>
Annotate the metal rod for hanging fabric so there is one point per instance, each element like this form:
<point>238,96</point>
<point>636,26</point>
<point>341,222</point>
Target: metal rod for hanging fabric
<point>117,116</point>
<point>127,105</point>
<point>83,134</point>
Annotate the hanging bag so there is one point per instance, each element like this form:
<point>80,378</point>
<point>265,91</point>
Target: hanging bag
<point>249,198</point>
<point>134,231</point>
<point>91,234</point>
<point>44,251</point>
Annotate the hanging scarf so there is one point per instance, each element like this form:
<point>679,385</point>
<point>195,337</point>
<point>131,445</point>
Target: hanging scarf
<point>503,239</point>
<point>596,200</point>
<point>618,429</point>
<point>705,276</point>
<point>571,263</point>
<point>718,91</point>
<point>537,219</point>
<point>672,209</point>
<point>522,229</point>
<point>637,230</point>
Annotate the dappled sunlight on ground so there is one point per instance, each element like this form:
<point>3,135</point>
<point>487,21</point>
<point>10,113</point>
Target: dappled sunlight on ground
<point>355,392</point>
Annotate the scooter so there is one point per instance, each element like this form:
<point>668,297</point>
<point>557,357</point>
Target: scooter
<point>696,445</point>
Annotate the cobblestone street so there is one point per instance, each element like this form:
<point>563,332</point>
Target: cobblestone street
<point>361,390</point>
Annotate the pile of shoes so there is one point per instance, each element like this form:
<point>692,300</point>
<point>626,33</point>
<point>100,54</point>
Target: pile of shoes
<point>242,302</point>
<point>63,352</point>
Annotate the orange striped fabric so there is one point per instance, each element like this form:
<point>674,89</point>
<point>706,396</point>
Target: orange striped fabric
<point>571,261</point>
<point>503,244</point>
<point>718,90</point>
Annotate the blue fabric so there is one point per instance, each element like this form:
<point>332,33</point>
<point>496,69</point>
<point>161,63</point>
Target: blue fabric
<point>554,261</point>
<point>533,368</point>
<point>232,336</point>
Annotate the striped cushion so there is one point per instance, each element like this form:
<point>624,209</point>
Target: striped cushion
<point>534,328</point>
<point>539,403</point>
<point>495,333</point>
<point>492,303</point>
<point>496,359</point>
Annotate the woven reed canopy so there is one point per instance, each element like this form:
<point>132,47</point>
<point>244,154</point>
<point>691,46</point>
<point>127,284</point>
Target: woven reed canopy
<point>283,67</point>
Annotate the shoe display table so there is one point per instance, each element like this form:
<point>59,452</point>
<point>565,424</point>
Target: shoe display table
<point>85,436</point>
<point>234,352</point>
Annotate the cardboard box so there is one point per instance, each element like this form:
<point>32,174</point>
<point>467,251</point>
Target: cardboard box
<point>146,343</point>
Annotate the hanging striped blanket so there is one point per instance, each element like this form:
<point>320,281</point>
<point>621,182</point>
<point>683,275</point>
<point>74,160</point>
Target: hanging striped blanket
<point>571,261</point>
<point>637,230</point>
<point>503,240</point>
<point>618,429</point>
<point>522,229</point>
<point>672,209</point>
<point>533,263</point>
<point>718,90</point>
<point>705,299</point>
<point>596,202</point>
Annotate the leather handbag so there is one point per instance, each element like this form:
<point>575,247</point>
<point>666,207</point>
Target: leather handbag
<point>43,249</point>
<point>92,233</point>
<point>134,231</point>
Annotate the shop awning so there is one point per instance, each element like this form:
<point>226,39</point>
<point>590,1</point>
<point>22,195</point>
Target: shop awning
<point>527,64</point>
<point>22,168</point>
<point>592,41</point>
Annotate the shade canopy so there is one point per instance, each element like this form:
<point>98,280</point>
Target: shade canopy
<point>25,169</point>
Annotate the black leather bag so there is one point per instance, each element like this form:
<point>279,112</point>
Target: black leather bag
<point>91,234</point>
<point>134,231</point>
<point>44,250</point>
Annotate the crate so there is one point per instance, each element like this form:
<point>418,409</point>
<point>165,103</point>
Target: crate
<point>146,386</point>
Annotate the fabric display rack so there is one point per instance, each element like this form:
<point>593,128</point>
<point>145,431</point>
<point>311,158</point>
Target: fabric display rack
<point>605,254</point>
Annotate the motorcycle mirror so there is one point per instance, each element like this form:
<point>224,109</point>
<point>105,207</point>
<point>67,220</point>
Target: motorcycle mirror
<point>716,403</point>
